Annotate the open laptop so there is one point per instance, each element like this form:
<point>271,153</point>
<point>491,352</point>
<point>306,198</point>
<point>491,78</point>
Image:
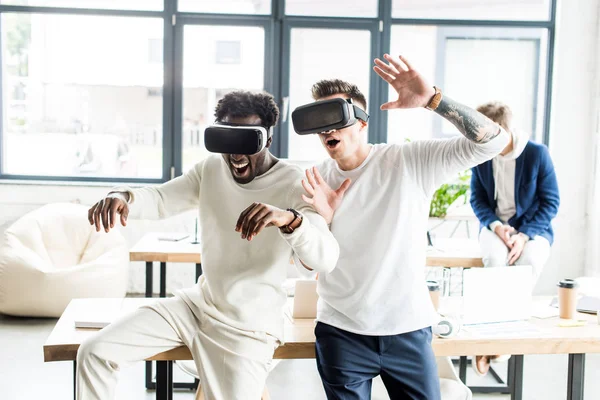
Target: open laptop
<point>305,299</point>
<point>499,294</point>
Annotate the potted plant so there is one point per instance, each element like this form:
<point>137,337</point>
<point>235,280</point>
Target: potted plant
<point>448,193</point>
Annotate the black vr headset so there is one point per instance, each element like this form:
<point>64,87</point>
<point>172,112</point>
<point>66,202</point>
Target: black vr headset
<point>326,115</point>
<point>236,139</point>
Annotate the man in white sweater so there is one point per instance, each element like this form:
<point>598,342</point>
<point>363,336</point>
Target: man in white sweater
<point>252,221</point>
<point>374,311</point>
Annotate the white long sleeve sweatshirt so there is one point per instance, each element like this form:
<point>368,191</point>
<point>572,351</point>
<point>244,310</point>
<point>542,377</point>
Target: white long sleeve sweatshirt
<point>242,281</point>
<point>378,286</point>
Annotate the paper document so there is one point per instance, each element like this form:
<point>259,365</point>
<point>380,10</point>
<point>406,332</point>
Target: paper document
<point>504,329</point>
<point>172,237</point>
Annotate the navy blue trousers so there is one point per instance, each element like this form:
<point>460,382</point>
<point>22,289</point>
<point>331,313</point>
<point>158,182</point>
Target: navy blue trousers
<point>348,362</point>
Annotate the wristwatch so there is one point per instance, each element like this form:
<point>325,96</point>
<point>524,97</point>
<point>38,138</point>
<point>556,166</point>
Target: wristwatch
<point>291,227</point>
<point>435,100</point>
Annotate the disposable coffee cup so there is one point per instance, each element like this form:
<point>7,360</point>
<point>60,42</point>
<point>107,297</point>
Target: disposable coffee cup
<point>434,293</point>
<point>567,298</point>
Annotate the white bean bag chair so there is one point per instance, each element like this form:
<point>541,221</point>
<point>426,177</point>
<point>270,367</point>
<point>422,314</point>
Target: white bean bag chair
<point>53,255</point>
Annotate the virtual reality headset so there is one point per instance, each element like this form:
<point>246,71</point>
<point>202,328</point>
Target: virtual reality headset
<point>326,115</point>
<point>236,139</point>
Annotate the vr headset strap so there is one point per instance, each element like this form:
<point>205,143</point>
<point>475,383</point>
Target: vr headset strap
<point>360,114</point>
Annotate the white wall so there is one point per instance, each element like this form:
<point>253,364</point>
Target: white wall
<point>572,135</point>
<point>592,266</point>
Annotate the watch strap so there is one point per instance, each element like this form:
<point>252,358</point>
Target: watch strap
<point>291,227</point>
<point>435,100</point>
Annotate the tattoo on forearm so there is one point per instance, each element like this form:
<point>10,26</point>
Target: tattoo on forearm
<point>475,126</point>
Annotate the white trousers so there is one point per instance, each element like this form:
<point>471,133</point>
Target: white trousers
<point>232,363</point>
<point>495,253</point>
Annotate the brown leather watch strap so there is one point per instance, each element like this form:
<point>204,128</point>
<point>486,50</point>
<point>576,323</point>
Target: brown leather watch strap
<point>435,100</point>
<point>291,227</point>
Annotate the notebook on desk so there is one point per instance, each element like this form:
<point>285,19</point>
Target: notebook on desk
<point>497,294</point>
<point>172,236</point>
<point>98,313</point>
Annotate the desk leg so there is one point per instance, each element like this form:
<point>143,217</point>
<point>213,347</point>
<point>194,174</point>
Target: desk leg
<point>164,380</point>
<point>149,384</point>
<point>198,271</point>
<point>446,281</point>
<point>462,369</point>
<point>455,228</point>
<point>576,377</point>
<point>163,279</point>
<point>515,377</point>
<point>170,381</point>
<point>149,271</point>
<point>149,288</point>
<point>75,380</point>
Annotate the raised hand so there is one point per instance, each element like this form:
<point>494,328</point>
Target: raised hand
<point>323,198</point>
<point>413,90</point>
<point>106,210</point>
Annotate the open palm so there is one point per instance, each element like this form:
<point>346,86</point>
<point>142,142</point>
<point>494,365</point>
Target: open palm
<point>413,90</point>
<point>324,199</point>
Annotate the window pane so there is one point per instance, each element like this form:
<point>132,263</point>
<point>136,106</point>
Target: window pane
<point>216,60</point>
<point>80,99</point>
<point>145,5</point>
<point>514,10</point>
<point>226,6</point>
<point>473,66</point>
<point>332,8</point>
<point>322,54</point>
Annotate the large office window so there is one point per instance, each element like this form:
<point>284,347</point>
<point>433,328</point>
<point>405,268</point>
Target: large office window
<point>226,7</point>
<point>512,10</point>
<point>317,54</point>
<point>122,90</point>
<point>474,66</point>
<point>332,8</point>
<point>217,59</point>
<point>151,5</point>
<point>79,99</point>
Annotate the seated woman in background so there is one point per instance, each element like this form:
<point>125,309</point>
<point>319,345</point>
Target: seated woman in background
<point>515,197</point>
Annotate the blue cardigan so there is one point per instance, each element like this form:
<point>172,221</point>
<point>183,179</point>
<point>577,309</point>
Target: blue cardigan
<point>536,193</point>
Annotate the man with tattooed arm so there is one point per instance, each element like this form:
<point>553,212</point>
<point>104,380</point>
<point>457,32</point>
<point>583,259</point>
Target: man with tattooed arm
<point>374,311</point>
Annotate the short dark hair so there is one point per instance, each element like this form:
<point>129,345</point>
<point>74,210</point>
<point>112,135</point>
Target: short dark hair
<point>329,87</point>
<point>242,103</point>
<point>498,112</point>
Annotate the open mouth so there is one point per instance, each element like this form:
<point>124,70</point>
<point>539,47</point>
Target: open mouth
<point>240,168</point>
<point>331,143</point>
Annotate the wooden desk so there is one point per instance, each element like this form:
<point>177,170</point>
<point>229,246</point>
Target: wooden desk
<point>447,252</point>
<point>149,249</point>
<point>63,342</point>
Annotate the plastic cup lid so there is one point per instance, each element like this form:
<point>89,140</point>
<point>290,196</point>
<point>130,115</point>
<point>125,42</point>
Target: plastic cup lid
<point>568,283</point>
